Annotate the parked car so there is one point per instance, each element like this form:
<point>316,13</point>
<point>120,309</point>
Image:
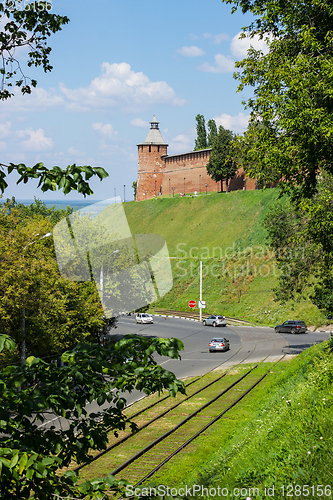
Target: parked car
<point>143,318</point>
<point>291,326</point>
<point>219,344</point>
<point>215,321</point>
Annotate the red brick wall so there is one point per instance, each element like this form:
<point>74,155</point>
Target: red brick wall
<point>156,169</point>
<point>149,171</point>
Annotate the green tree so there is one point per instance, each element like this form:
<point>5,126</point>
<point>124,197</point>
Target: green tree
<point>246,153</point>
<point>31,454</point>
<point>212,133</point>
<point>292,93</point>
<point>201,140</point>
<point>25,27</point>
<point>301,235</point>
<point>32,28</point>
<point>58,313</point>
<point>34,210</point>
<point>221,165</point>
<point>135,186</point>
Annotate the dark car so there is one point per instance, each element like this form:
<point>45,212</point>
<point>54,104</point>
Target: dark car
<point>219,344</point>
<point>291,326</point>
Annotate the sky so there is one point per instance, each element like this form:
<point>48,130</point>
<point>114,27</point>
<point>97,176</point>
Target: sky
<point>115,65</point>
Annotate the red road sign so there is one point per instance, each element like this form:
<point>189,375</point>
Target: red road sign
<point>192,303</point>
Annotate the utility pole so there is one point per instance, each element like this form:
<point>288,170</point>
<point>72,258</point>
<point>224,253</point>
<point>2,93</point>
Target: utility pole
<point>200,291</point>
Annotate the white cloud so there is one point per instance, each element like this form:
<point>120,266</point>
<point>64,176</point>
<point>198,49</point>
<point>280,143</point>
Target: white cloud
<point>240,46</point>
<point>217,39</point>
<point>119,87</point>
<point>39,99</point>
<point>37,140</point>
<point>106,130</point>
<point>192,51</point>
<point>75,152</point>
<point>3,145</point>
<point>5,129</point>
<point>182,143</point>
<point>223,64</point>
<point>139,122</point>
<point>236,123</point>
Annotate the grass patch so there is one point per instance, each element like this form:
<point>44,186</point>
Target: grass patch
<point>279,435</point>
<point>226,232</point>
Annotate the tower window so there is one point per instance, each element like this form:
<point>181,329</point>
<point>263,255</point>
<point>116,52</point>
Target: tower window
<point>149,149</point>
<point>158,149</point>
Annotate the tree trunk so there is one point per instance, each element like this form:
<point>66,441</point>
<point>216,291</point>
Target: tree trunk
<point>221,185</point>
<point>227,185</point>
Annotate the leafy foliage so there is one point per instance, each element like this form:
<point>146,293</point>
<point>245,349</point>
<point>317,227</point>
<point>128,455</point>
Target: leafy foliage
<point>300,234</point>
<point>134,186</point>
<point>25,28</point>
<point>212,133</point>
<point>74,177</point>
<point>58,313</point>
<point>201,140</point>
<point>32,28</point>
<point>245,148</point>
<point>293,96</point>
<point>221,165</point>
<point>34,210</point>
<point>32,451</point>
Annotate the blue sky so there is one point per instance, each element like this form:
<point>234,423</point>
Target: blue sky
<point>116,64</point>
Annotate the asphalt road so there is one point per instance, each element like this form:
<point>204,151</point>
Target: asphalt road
<point>247,344</point>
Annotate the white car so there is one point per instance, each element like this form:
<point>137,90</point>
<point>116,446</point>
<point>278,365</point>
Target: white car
<point>219,344</point>
<point>215,321</point>
<point>143,318</point>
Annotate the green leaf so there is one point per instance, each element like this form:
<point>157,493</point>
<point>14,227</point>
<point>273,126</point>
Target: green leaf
<point>23,462</point>
<point>14,460</point>
<point>101,172</point>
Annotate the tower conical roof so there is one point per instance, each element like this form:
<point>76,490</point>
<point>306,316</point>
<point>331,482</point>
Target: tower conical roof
<point>154,135</point>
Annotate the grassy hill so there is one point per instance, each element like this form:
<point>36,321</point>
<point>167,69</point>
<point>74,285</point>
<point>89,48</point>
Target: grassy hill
<point>226,232</point>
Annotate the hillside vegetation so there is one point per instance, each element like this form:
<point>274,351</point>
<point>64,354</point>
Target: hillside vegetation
<point>226,232</point>
<point>275,444</point>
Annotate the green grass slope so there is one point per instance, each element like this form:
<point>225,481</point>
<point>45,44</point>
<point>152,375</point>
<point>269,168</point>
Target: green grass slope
<point>226,232</point>
<point>276,443</point>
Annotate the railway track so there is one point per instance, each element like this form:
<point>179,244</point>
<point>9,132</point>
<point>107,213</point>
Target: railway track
<point>189,417</point>
<point>147,461</point>
<point>152,417</point>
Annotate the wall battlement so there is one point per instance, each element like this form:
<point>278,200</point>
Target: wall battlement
<point>160,173</point>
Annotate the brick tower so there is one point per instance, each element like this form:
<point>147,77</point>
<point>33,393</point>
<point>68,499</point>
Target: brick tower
<point>150,163</point>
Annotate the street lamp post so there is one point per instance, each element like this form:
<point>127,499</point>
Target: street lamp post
<point>184,186</point>
<point>206,187</point>
<point>23,345</point>
<point>200,183</point>
<point>124,193</point>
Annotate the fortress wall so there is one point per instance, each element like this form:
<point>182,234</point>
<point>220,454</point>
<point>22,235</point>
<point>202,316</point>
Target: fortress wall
<point>192,167</point>
<point>237,182</point>
<point>158,172</point>
<point>195,180</point>
<point>149,185</point>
